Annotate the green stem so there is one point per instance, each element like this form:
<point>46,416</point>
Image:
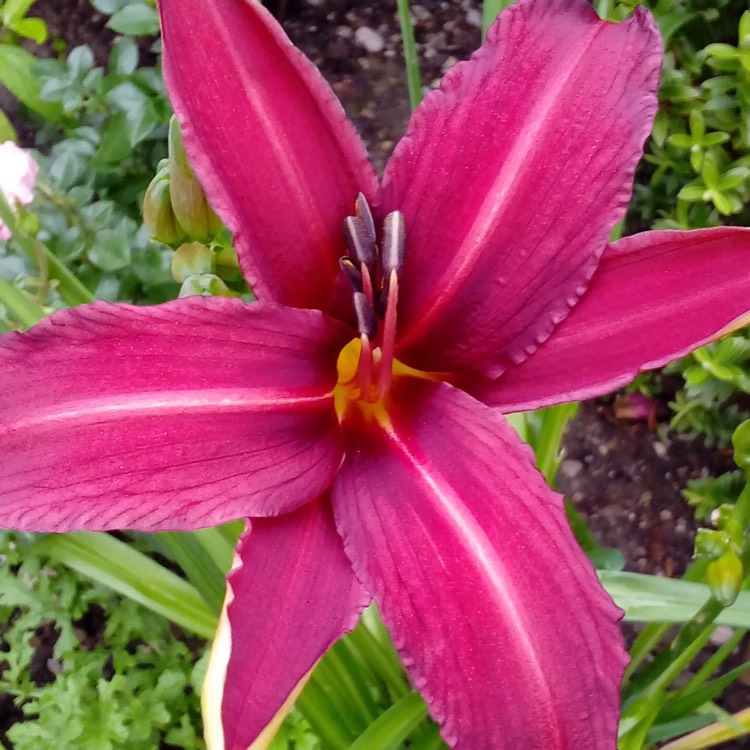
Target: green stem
<point>26,312</point>
<point>72,291</point>
<point>715,661</point>
<point>661,671</point>
<point>643,645</point>
<point>664,669</point>
<point>391,728</point>
<point>413,76</point>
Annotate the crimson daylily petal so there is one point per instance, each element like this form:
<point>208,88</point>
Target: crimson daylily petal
<point>279,160</point>
<point>655,297</point>
<point>183,415</point>
<point>498,615</point>
<point>291,594</point>
<point>511,177</point>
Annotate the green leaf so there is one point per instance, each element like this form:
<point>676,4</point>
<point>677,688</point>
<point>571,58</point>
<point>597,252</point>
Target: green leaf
<point>111,250</point>
<point>124,57</point>
<point>391,728</point>
<point>654,599</point>
<point>16,74</point>
<point>108,7</point>
<point>7,131</point>
<point>30,28</point>
<point>115,143</point>
<point>692,192</point>
<point>135,19</point>
<point>15,10</point>
<point>131,573</point>
<point>80,60</point>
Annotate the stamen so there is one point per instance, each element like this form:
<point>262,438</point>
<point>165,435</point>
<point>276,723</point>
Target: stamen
<point>364,214</point>
<point>361,245</point>
<point>366,322</point>
<point>393,248</point>
<point>366,287</point>
<point>352,274</point>
<point>388,344</point>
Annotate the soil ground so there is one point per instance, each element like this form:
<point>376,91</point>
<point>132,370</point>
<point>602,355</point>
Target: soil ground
<point>624,478</point>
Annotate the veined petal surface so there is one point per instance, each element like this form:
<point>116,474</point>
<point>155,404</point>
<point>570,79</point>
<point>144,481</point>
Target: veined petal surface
<point>277,157</point>
<point>182,415</point>
<point>291,594</point>
<point>511,176</point>
<point>655,297</point>
<point>496,612</point>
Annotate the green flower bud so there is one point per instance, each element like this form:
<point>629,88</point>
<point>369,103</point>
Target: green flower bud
<point>711,544</point>
<point>206,285</point>
<point>188,199</point>
<point>158,215</point>
<point>192,259</point>
<point>228,264</point>
<point>725,576</point>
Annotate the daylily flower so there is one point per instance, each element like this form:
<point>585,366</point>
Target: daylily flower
<point>18,173</point>
<point>354,414</point>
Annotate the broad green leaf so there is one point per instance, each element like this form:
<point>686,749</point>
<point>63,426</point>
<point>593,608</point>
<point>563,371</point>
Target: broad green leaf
<point>16,74</point>
<point>135,19</point>
<point>654,599</point>
<point>132,574</point>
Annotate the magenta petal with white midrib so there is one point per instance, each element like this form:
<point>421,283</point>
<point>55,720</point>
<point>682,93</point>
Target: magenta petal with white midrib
<point>511,176</point>
<point>495,610</point>
<point>655,297</point>
<point>292,593</point>
<point>280,162</point>
<point>182,415</point>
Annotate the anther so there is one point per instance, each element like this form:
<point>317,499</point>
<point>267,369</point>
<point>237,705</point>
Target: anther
<point>393,247</point>
<point>361,245</point>
<point>352,273</point>
<point>365,312</point>
<point>364,214</point>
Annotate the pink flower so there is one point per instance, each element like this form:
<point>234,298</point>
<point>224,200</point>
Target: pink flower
<point>18,173</point>
<point>366,442</point>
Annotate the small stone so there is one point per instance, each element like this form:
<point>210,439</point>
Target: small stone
<point>474,18</point>
<point>369,39</point>
<point>721,635</point>
<point>660,449</point>
<point>571,468</point>
<point>421,14</point>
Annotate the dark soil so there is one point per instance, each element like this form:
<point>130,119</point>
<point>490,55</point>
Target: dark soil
<point>625,478</point>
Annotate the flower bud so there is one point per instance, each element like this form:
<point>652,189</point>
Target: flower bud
<point>192,259</point>
<point>188,199</point>
<point>724,576</point>
<point>158,215</point>
<point>206,285</point>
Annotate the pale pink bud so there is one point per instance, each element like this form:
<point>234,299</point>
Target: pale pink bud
<point>18,173</point>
